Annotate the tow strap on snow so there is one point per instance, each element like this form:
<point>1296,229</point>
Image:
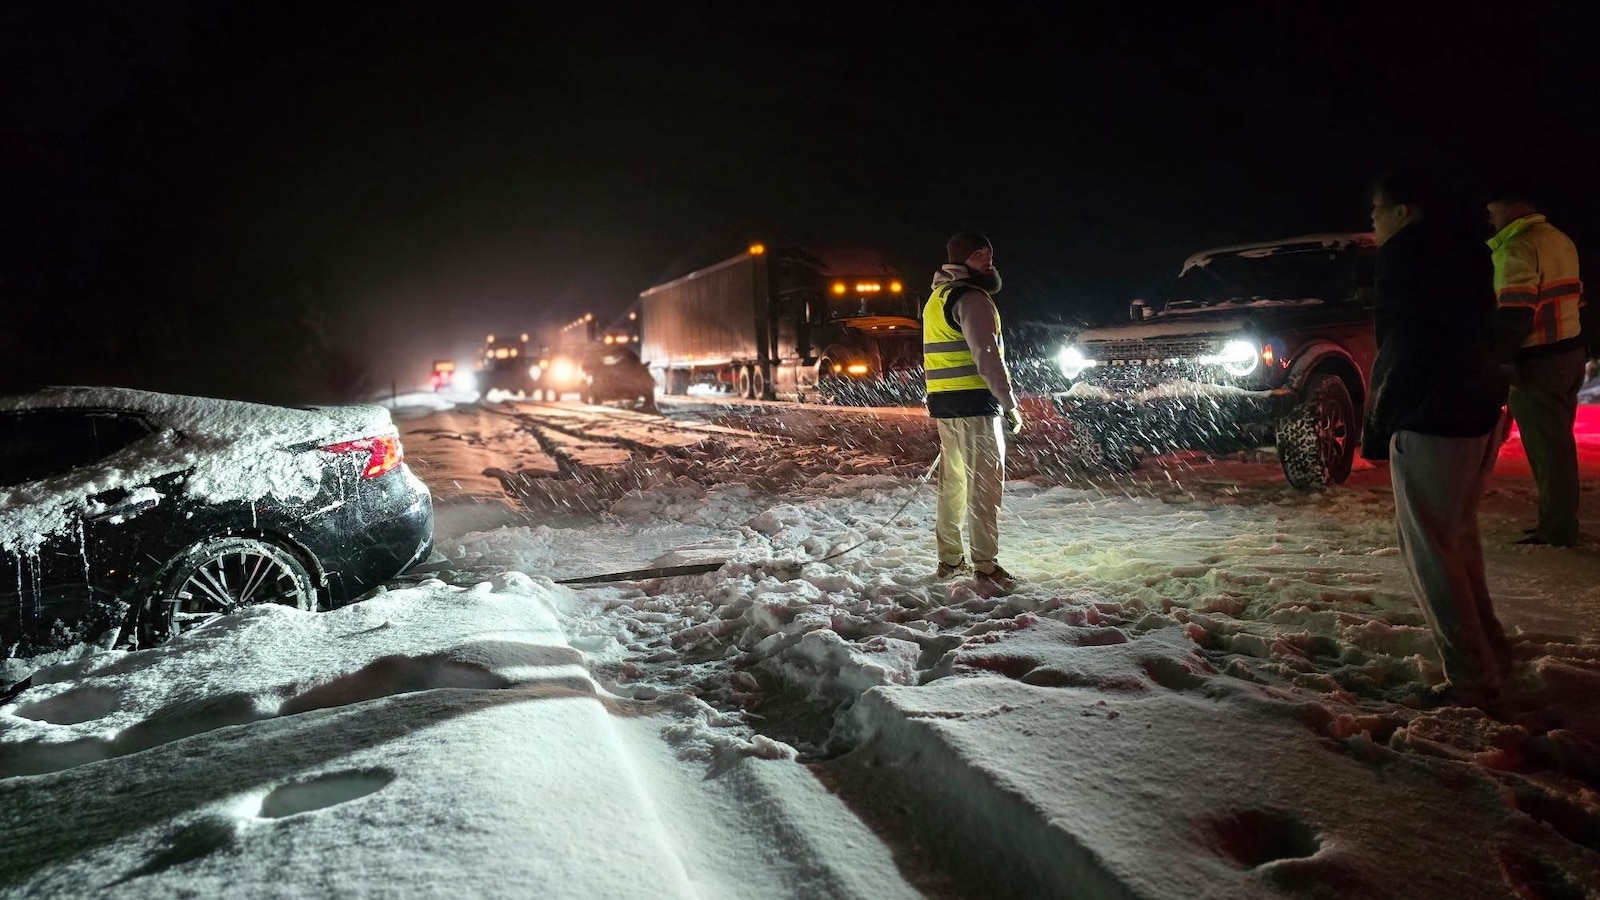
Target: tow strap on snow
<point>703,568</point>
<point>11,691</point>
<point>640,574</point>
<point>932,467</point>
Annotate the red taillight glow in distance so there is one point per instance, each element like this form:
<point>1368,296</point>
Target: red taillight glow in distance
<point>383,453</point>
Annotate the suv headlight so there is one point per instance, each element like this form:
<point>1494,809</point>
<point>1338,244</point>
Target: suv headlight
<point>1073,362</point>
<point>1237,357</point>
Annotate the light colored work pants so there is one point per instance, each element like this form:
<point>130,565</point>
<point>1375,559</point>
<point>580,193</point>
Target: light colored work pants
<point>972,472</point>
<point>1437,482</point>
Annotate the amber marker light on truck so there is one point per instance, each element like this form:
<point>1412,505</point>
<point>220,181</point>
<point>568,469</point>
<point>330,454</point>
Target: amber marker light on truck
<point>856,369</point>
<point>896,287</point>
<point>839,288</point>
<point>757,249</point>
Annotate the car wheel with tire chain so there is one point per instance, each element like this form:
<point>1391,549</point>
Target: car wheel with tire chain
<point>1317,439</point>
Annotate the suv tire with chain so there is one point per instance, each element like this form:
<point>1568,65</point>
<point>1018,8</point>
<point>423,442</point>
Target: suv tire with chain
<point>1317,439</point>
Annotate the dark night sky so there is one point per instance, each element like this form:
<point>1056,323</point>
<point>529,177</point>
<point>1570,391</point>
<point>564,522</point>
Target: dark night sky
<point>210,197</point>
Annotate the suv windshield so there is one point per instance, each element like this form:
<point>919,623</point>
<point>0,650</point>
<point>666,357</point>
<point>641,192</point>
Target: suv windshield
<point>1313,273</point>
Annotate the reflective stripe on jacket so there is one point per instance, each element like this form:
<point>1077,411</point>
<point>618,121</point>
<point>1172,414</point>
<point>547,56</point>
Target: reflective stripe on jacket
<point>947,361</point>
<point>1536,268</point>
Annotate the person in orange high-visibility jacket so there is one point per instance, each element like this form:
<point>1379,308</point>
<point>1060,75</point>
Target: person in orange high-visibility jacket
<point>969,393</point>
<point>1539,294</point>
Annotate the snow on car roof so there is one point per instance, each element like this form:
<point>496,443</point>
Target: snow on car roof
<point>1267,248</point>
<point>217,417</point>
<point>233,451</point>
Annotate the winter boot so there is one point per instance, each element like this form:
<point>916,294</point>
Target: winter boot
<point>997,578</point>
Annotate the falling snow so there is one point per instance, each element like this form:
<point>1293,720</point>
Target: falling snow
<point>1209,685</point>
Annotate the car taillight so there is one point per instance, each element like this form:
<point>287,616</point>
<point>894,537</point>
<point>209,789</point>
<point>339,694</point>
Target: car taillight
<point>383,453</point>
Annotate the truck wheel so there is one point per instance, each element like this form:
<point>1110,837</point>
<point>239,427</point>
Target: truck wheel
<point>677,381</point>
<point>758,383</point>
<point>830,387</point>
<point>745,384</point>
<point>1317,439</point>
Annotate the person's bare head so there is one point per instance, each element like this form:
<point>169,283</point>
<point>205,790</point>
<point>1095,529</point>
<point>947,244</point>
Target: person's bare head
<point>1398,199</point>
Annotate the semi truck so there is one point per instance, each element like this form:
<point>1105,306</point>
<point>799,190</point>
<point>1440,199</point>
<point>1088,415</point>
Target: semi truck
<point>504,363</point>
<point>829,325</point>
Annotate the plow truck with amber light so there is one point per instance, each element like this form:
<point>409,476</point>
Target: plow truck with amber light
<point>1254,345</point>
<point>829,325</point>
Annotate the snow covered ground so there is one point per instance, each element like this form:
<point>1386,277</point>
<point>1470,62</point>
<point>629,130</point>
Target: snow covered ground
<point>1210,685</point>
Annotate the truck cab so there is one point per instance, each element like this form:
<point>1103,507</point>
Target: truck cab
<point>504,364</point>
<point>854,328</point>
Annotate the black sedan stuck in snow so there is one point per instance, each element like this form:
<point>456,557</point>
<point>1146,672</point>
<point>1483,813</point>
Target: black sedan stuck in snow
<point>133,516</point>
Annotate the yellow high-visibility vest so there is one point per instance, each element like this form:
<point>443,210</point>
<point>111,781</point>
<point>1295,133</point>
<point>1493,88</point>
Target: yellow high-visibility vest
<point>947,361</point>
<point>1536,267</point>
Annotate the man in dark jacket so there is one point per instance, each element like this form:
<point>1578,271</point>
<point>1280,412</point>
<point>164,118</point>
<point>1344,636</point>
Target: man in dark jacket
<point>1438,392</point>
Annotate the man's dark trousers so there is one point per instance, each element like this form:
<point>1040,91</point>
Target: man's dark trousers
<point>1544,401</point>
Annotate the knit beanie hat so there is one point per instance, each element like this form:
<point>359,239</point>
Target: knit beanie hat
<point>963,244</point>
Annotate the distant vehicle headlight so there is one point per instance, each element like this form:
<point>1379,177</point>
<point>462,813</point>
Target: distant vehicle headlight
<point>563,371</point>
<point>1238,357</point>
<point>1073,362</point>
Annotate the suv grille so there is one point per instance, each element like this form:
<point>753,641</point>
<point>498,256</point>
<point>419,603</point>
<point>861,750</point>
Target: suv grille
<point>1151,352</point>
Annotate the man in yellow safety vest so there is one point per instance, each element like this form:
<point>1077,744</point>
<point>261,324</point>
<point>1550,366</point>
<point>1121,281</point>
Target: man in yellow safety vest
<point>1536,285</point>
<point>969,393</point>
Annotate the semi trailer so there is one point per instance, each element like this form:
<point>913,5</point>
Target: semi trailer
<point>829,325</point>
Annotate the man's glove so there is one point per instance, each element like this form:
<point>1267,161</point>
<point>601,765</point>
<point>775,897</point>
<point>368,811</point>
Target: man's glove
<point>1014,420</point>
